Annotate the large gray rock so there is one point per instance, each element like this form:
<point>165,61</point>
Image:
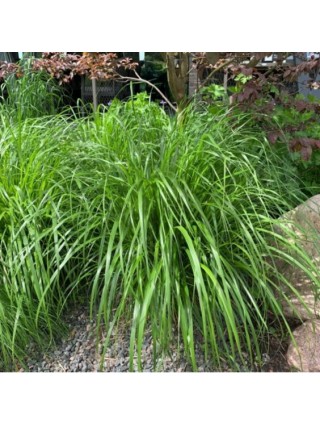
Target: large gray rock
<point>307,215</point>
<point>304,354</point>
<point>301,231</point>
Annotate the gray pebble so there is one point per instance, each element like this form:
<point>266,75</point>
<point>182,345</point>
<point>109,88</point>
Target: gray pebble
<point>124,368</point>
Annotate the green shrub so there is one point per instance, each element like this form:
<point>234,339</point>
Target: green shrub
<point>300,141</point>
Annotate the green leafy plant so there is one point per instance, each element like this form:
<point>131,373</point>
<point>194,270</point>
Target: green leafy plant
<point>242,79</point>
<point>213,92</point>
<point>295,127</point>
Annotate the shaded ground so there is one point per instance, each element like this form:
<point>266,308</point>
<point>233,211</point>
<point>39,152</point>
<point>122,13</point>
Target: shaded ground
<point>277,356</point>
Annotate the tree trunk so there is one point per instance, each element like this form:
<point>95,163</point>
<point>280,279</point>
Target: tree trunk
<point>94,94</point>
<point>177,71</point>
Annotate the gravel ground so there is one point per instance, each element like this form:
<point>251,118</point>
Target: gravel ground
<point>78,352</point>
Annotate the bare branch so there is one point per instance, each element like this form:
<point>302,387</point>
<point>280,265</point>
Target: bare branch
<point>223,65</point>
<point>138,79</point>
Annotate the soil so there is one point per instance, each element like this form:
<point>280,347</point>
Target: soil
<point>277,356</point>
<point>276,346</point>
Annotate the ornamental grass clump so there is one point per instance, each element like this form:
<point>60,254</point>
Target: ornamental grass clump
<point>163,225</point>
<point>30,94</point>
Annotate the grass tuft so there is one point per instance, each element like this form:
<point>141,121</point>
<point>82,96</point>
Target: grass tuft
<point>165,225</point>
